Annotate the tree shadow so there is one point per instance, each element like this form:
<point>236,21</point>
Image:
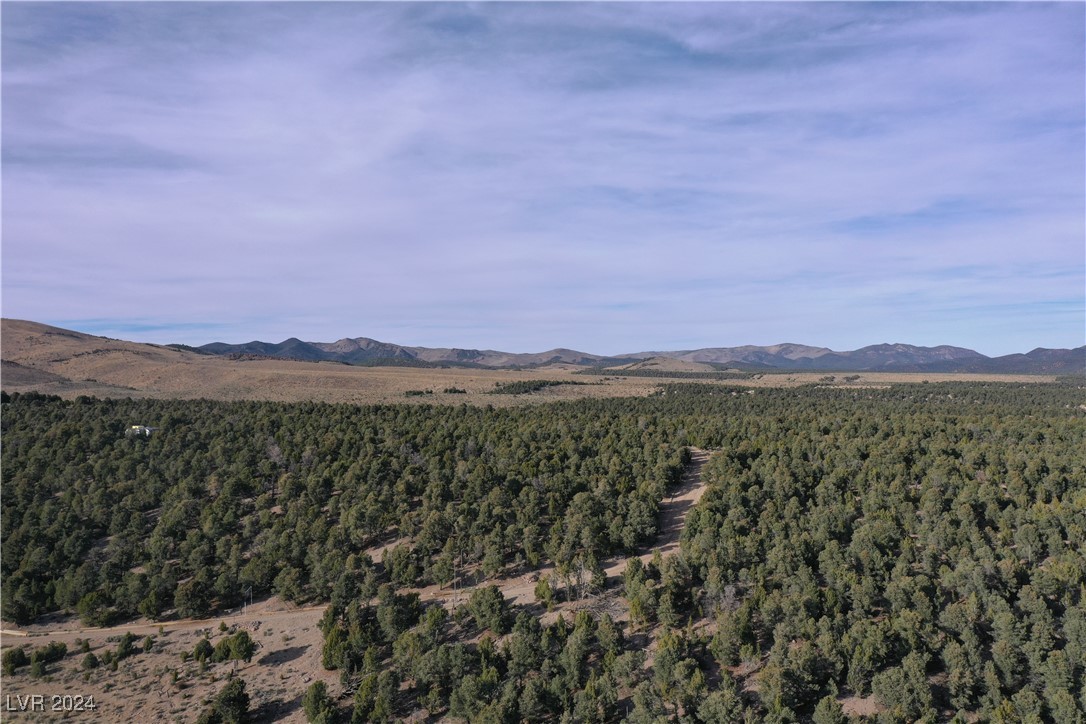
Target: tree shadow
<point>275,710</point>
<point>639,640</point>
<point>282,655</point>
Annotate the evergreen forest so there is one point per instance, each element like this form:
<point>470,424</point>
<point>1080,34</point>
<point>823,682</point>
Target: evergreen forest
<point>923,544</point>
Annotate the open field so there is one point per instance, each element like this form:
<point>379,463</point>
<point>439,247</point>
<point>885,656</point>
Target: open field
<point>70,364</point>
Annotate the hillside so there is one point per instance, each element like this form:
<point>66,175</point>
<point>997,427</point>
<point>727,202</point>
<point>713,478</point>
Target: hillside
<point>38,357</point>
<point>663,364</point>
<point>41,358</point>
<point>880,357</point>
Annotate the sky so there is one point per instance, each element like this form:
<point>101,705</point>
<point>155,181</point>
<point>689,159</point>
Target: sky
<point>610,177</point>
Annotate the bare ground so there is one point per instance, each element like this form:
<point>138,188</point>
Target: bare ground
<point>159,687</point>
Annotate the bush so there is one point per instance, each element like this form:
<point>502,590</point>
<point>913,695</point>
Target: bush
<point>50,653</point>
<point>203,650</point>
<point>240,646</point>
<point>126,646</point>
<point>230,705</point>
<point>13,659</point>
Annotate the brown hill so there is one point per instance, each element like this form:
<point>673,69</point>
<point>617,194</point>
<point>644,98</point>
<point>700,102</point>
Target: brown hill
<point>40,358</point>
<point>37,357</point>
<point>54,360</point>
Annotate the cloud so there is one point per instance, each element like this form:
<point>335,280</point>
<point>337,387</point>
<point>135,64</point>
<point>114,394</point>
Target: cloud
<point>524,176</point>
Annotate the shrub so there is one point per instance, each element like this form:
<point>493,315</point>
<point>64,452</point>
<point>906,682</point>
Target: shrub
<point>13,659</point>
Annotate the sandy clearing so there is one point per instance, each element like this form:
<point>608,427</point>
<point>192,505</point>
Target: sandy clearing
<point>160,687</point>
<point>63,628</point>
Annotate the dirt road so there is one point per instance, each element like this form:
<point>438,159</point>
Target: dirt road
<point>162,686</point>
<point>520,590</point>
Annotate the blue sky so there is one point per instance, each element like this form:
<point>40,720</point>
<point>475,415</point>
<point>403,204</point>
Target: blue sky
<point>607,177</point>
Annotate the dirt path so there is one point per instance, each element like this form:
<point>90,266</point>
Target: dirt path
<point>266,610</point>
<point>674,510</point>
<point>520,589</point>
<point>160,686</point>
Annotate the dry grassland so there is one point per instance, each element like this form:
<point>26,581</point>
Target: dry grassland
<point>69,364</point>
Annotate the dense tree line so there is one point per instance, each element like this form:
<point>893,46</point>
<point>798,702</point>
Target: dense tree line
<point>667,374</point>
<point>924,545</point>
<point>536,672</point>
<point>286,498</point>
<point>524,387</point>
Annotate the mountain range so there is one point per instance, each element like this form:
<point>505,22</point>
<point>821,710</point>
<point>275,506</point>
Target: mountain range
<point>880,357</point>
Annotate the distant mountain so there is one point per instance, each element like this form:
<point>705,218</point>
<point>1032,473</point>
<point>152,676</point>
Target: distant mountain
<point>362,350</point>
<point>880,357</point>
<point>51,360</point>
<point>802,357</point>
<point>773,356</point>
<point>1039,361</point>
<point>897,357</point>
<point>291,348</point>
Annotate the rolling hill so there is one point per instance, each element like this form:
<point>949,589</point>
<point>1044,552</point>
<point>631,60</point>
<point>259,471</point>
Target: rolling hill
<point>54,358</point>
<point>880,357</point>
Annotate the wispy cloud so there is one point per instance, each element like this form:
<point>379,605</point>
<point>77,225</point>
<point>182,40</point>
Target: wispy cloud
<point>530,175</point>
